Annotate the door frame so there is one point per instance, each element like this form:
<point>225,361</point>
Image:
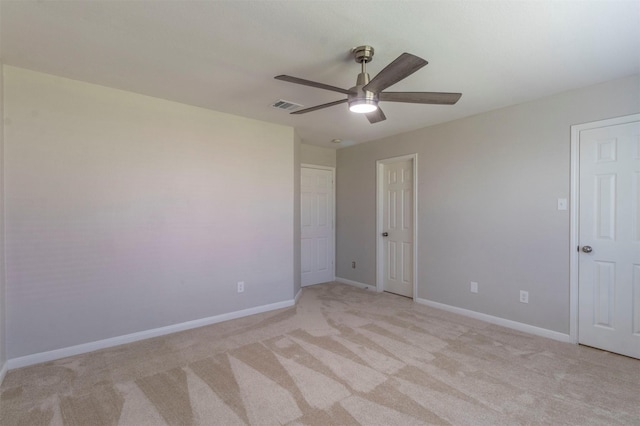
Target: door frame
<point>333,213</point>
<point>379,223</point>
<point>575,214</point>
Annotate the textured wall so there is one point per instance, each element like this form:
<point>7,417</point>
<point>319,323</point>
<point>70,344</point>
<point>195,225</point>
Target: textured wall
<point>311,154</point>
<point>127,213</point>
<point>487,192</point>
<point>3,351</point>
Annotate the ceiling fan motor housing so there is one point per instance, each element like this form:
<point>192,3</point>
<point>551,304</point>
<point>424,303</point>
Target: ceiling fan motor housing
<point>360,95</point>
<point>361,98</point>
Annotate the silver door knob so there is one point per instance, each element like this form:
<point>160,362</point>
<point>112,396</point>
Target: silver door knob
<point>587,249</point>
<point>385,234</point>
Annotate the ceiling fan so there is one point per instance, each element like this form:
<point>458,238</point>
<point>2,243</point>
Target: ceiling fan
<point>365,95</point>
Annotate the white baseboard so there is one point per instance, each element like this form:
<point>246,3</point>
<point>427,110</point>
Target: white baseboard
<point>41,357</point>
<point>526,328</point>
<point>355,283</point>
<point>3,371</point>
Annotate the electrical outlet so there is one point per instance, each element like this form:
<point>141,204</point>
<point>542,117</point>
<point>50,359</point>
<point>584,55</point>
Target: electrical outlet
<point>524,296</point>
<point>473,287</point>
<point>562,203</point>
<point>240,286</point>
<point>353,264</point>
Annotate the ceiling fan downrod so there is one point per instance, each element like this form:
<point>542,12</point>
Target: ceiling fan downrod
<point>362,101</point>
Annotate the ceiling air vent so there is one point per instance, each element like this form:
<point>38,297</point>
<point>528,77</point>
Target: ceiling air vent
<point>286,105</point>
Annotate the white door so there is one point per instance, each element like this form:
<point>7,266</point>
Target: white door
<point>316,219</point>
<point>397,228</point>
<point>609,238</point>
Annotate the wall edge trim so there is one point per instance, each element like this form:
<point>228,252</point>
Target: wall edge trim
<point>515,325</point>
<point>55,354</point>
<point>3,371</point>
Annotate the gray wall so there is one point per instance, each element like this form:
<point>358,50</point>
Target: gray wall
<point>487,188</point>
<point>126,213</point>
<point>311,154</point>
<point>3,351</point>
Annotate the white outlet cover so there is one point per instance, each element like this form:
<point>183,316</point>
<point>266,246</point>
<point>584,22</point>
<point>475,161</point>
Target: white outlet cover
<point>473,287</point>
<point>562,203</point>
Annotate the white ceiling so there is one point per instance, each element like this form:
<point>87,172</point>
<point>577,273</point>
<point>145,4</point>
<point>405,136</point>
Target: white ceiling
<point>223,55</point>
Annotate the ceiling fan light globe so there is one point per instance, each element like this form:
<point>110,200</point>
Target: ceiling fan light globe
<point>363,106</point>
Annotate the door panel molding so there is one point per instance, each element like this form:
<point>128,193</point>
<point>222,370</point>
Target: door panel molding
<point>575,214</point>
<point>379,220</point>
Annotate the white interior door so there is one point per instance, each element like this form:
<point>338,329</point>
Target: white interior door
<point>317,233</point>
<point>397,229</point>
<point>609,238</point>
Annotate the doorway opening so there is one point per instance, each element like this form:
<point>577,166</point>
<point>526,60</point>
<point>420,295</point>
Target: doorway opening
<point>396,242</point>
<point>317,223</point>
<point>605,233</point>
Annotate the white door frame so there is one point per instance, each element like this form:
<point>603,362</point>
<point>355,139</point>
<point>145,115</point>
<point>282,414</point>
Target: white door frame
<point>575,213</point>
<point>333,210</point>
<point>380,225</point>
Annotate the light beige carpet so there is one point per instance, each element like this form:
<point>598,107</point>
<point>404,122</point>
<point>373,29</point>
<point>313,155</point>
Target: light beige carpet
<point>342,356</point>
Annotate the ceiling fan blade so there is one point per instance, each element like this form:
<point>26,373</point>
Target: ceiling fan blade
<point>403,66</point>
<point>317,107</point>
<point>438,98</point>
<point>304,82</point>
<point>376,116</point>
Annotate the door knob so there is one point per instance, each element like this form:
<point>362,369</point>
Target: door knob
<point>587,249</point>
<point>385,234</point>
